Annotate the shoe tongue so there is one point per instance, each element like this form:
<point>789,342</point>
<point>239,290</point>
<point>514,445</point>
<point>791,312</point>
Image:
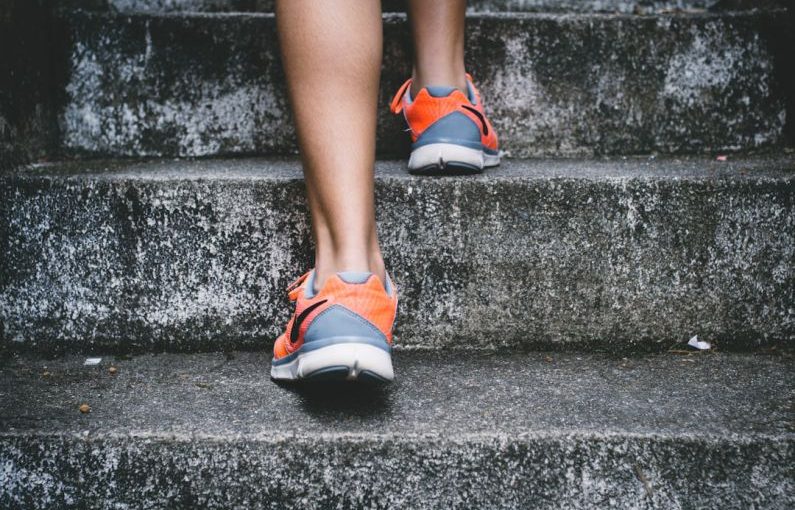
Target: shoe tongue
<point>440,91</point>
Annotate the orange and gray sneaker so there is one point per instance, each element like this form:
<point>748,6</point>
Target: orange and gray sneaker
<point>449,130</point>
<point>341,332</point>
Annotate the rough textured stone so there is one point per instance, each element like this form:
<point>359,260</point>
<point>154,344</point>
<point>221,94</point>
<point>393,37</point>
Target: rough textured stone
<point>708,430</point>
<point>623,254</point>
<point>189,5</point>
<point>625,6</point>
<point>606,6</point>
<point>211,84</point>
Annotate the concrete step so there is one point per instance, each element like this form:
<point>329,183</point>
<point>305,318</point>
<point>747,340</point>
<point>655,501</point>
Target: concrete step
<point>623,254</point>
<point>623,6</point>
<point>577,84</point>
<point>456,430</point>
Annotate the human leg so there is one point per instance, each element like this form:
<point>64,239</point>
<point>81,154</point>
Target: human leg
<point>332,60</point>
<point>346,306</point>
<point>437,29</point>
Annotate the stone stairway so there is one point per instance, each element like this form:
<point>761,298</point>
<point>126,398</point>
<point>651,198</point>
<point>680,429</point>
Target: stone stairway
<point>544,305</point>
<point>456,430</point>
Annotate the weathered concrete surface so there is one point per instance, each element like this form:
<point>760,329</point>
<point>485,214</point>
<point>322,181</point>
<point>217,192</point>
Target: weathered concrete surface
<point>624,254</point>
<point>187,5</point>
<point>624,6</point>
<point>454,431</point>
<point>211,84</point>
<point>607,6</point>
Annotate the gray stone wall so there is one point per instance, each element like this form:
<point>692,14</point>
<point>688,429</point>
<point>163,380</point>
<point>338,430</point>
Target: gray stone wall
<point>636,254</point>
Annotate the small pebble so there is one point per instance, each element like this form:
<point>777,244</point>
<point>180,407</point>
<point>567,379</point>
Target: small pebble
<point>112,370</point>
<point>85,408</point>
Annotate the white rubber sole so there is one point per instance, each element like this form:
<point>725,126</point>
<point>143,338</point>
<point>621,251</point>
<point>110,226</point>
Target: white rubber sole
<point>447,156</point>
<point>348,361</point>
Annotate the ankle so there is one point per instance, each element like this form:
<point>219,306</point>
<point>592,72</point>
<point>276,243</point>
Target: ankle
<point>327,265</point>
<point>377,267</point>
<point>447,78</point>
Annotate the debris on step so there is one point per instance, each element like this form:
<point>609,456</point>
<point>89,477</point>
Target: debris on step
<point>92,362</point>
<point>644,479</point>
<point>85,408</point>
<point>698,344</point>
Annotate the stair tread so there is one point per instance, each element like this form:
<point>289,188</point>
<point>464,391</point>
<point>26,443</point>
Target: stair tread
<point>779,165</point>
<point>401,16</point>
<point>456,430</point>
<point>457,395</point>
<point>628,6</point>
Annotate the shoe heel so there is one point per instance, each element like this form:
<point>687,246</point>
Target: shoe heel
<point>349,361</point>
<point>446,158</point>
<point>341,345</point>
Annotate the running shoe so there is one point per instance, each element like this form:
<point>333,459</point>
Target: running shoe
<point>341,332</point>
<point>449,130</point>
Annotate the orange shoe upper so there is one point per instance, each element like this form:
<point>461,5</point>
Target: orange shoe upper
<point>423,110</point>
<point>369,300</point>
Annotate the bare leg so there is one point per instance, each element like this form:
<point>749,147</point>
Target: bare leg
<point>332,58</point>
<point>438,31</point>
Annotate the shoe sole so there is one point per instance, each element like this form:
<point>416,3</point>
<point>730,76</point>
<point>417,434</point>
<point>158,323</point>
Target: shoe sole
<point>450,159</point>
<point>348,360</point>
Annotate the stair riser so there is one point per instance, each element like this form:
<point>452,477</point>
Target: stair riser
<point>500,472</point>
<point>194,264</point>
<point>554,85</point>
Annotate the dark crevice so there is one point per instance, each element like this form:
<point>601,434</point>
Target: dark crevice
<point>33,71</point>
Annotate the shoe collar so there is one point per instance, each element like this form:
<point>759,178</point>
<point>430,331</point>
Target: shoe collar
<point>404,94</point>
<point>306,282</point>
